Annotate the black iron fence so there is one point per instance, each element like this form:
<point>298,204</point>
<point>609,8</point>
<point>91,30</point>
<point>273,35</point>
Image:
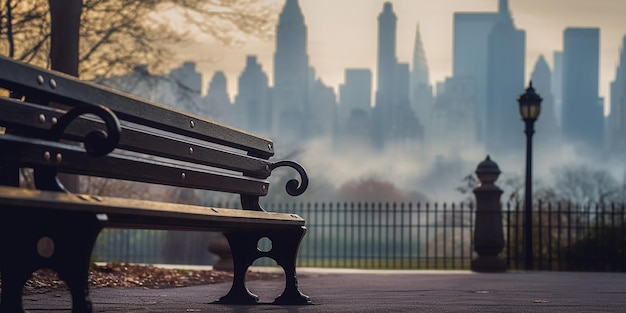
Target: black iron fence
<point>569,237</point>
<point>407,236</point>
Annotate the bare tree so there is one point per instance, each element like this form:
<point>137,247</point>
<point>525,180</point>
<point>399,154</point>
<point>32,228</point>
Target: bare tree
<point>585,185</point>
<point>116,35</point>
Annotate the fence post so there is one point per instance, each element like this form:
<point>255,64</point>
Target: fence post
<point>488,233</point>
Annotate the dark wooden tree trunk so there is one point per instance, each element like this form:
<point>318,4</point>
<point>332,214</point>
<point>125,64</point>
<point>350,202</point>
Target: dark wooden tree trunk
<point>64,36</point>
<point>65,18</point>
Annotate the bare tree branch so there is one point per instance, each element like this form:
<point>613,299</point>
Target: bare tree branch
<point>117,35</point>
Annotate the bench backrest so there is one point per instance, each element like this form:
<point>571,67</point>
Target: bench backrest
<point>121,136</point>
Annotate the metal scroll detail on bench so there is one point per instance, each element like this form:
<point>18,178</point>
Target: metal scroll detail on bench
<point>97,142</point>
<point>293,186</point>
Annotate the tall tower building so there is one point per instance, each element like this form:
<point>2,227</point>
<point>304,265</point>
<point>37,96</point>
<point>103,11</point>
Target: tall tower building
<point>471,34</point>
<point>356,92</point>
<point>617,118</point>
<point>217,100</point>
<point>393,119</point>
<point>253,97</point>
<point>506,48</point>
<point>387,61</point>
<point>291,73</point>
<point>385,76</point>
<point>355,107</point>
<point>548,132</point>
<point>582,111</point>
<point>453,124</point>
<point>557,84</point>
<point>421,91</point>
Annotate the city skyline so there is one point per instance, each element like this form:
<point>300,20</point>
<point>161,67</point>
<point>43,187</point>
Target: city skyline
<point>334,44</point>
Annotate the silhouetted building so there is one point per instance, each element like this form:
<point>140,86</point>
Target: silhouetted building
<point>582,112</point>
<point>617,118</point>
<point>506,49</point>
<point>454,123</point>
<point>404,130</point>
<point>471,34</point>
<point>253,98</point>
<point>218,102</point>
<point>353,124</point>
<point>394,121</point>
<point>356,91</point>
<point>291,75</point>
<point>548,132</point>
<point>387,61</point>
<point>420,89</point>
<point>557,85</point>
<point>387,64</point>
<point>323,104</point>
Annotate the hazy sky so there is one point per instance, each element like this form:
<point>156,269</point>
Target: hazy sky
<point>343,34</point>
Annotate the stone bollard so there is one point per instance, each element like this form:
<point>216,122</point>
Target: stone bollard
<point>488,232</point>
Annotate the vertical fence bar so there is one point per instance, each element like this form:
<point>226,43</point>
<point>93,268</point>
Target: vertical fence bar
<point>411,226</point>
<point>367,235</point>
<point>559,238</point>
<point>539,253</point>
<point>362,247</point>
<point>445,232</point>
<point>379,240</point>
<point>519,238</point>
<point>550,232</point>
<point>435,233</point>
<point>419,236</point>
<point>394,228</point>
<point>427,245</point>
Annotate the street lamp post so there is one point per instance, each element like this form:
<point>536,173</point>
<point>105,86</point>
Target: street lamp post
<point>529,108</point>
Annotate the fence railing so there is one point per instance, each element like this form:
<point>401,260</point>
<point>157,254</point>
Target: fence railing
<point>569,237</point>
<point>407,236</point>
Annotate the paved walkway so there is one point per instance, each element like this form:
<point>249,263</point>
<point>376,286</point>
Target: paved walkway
<point>378,291</point>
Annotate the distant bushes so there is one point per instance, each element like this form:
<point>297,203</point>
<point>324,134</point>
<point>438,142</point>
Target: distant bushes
<point>599,250</point>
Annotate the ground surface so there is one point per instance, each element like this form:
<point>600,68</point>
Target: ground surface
<point>127,275</point>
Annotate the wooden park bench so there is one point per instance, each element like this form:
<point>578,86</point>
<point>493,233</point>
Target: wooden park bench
<point>96,131</point>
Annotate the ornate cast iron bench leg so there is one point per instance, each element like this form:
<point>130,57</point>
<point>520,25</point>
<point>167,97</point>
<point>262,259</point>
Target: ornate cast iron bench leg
<point>287,244</point>
<point>244,248</point>
<point>61,242</point>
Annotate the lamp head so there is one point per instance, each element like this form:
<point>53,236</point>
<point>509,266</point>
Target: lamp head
<point>529,104</point>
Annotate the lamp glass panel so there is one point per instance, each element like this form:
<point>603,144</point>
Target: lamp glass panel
<point>534,109</point>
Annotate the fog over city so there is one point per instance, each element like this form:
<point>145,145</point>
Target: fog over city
<point>417,93</point>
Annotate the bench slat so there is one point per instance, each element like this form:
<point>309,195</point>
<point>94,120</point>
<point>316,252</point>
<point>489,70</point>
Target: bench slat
<point>73,159</point>
<point>25,115</point>
<point>22,77</point>
<point>136,213</point>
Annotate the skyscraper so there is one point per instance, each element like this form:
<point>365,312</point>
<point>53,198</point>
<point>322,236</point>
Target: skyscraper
<point>217,100</point>
<point>387,61</point>
<point>453,124</point>
<point>421,92</point>
<point>356,92</point>
<point>393,119</point>
<point>548,132</point>
<point>471,34</point>
<point>291,73</point>
<point>253,97</point>
<point>557,84</point>
<point>582,113</point>
<point>506,48</point>
<point>617,119</point>
<point>355,109</point>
